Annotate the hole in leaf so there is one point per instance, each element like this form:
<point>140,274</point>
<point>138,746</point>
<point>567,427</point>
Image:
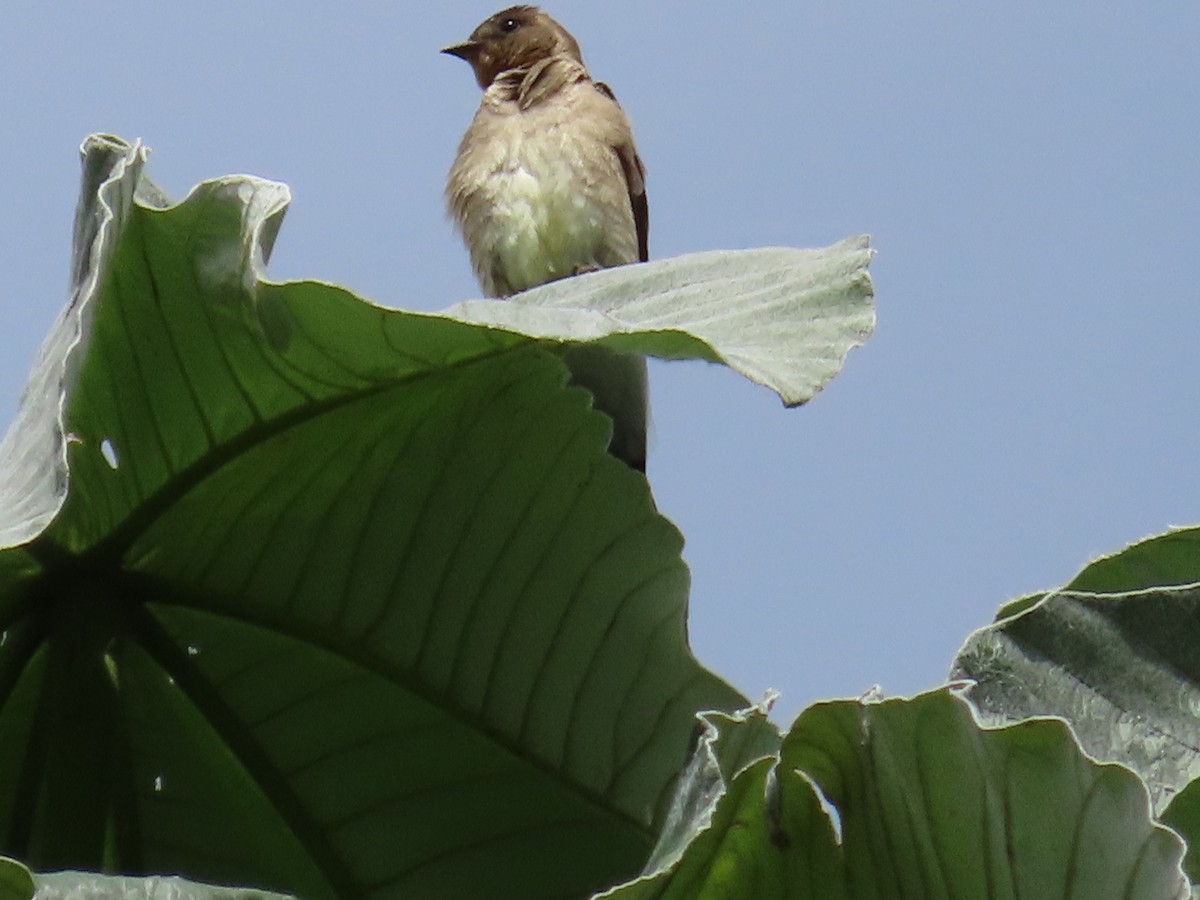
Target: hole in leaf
<point>109,451</point>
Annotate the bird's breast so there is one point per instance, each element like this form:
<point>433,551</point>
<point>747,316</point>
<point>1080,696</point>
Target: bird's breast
<point>539,195</point>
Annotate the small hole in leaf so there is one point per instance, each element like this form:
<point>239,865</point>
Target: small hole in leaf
<point>109,451</point>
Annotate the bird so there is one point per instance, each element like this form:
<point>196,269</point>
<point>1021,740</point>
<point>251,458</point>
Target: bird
<point>547,184</point>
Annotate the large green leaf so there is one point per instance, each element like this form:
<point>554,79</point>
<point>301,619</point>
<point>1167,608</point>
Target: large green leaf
<point>912,798</point>
<point>1116,653</point>
<point>309,594</point>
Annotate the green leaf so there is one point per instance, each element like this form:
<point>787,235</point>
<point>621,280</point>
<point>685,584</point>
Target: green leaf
<point>1167,559</point>
<point>1114,654</point>
<point>801,311</point>
<point>33,454</point>
<point>16,881</point>
<point>1183,814</point>
<point>340,600</point>
<point>912,798</point>
<point>729,744</point>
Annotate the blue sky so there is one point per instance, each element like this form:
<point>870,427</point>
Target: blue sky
<point>1030,176</point>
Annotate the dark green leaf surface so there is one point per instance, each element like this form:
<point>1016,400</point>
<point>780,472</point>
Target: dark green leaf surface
<point>911,798</point>
<point>1167,559</point>
<point>323,597</point>
<point>1183,814</point>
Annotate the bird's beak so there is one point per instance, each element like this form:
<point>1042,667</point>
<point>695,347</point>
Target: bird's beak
<point>467,50</point>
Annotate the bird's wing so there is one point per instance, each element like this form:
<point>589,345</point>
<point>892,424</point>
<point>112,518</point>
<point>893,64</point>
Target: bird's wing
<point>635,180</point>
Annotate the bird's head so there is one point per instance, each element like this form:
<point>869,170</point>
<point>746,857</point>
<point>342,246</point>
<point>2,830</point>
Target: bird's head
<point>514,38</point>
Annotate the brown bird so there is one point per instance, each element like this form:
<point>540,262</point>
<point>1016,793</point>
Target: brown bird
<point>547,184</point>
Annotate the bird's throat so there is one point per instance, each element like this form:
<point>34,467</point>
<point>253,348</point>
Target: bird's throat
<point>531,85</point>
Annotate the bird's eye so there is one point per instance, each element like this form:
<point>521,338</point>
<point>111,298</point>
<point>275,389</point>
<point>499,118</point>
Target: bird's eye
<point>509,24</point>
